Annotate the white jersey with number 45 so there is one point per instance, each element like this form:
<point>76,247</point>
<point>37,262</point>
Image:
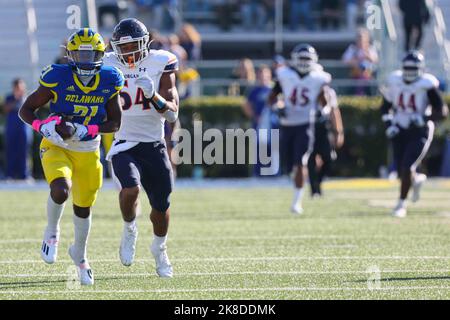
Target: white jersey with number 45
<point>140,121</point>
<point>409,99</point>
<point>300,94</point>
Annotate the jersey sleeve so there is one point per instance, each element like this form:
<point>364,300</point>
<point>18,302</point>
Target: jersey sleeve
<point>172,63</point>
<point>50,76</point>
<point>430,82</point>
<point>118,81</point>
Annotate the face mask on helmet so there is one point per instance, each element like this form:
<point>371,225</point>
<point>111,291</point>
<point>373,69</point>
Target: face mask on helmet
<point>85,62</point>
<point>411,72</point>
<point>131,51</point>
<point>303,61</point>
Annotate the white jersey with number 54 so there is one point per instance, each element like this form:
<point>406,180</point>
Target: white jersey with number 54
<point>140,121</point>
<point>300,94</point>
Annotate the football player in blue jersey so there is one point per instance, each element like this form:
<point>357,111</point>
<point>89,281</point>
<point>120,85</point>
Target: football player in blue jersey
<point>84,95</point>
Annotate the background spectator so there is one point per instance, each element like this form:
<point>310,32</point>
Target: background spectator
<point>254,14</point>
<point>300,11</point>
<point>362,58</point>
<point>191,41</point>
<point>352,8</point>
<point>415,16</point>
<point>108,13</point>
<point>18,135</point>
<point>331,14</point>
<point>256,108</point>
<point>224,10</point>
<point>178,50</point>
<point>245,74</point>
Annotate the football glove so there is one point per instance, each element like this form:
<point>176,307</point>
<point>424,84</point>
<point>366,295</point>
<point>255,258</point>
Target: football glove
<point>47,128</point>
<point>82,131</point>
<point>417,120</point>
<point>147,85</point>
<point>392,131</point>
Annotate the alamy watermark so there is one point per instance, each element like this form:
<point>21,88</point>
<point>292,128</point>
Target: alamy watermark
<point>229,147</point>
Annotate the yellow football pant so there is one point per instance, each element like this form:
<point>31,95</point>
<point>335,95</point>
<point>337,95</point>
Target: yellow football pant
<point>82,168</point>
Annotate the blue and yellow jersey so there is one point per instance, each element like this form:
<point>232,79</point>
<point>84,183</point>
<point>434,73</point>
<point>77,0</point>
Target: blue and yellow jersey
<point>82,104</point>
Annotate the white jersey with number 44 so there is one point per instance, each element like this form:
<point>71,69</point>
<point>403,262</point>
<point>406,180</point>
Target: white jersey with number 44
<point>408,99</point>
<point>301,94</point>
<point>140,121</point>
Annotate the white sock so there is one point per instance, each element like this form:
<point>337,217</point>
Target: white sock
<point>158,242</point>
<point>298,194</point>
<point>82,227</point>
<point>402,203</point>
<point>54,213</point>
<point>130,225</point>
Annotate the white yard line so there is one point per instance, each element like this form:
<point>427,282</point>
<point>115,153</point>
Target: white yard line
<point>195,274</point>
<point>252,259</point>
<point>263,237</point>
<point>15,292</point>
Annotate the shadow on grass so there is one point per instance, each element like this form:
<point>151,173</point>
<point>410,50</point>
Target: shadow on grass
<point>46,283</point>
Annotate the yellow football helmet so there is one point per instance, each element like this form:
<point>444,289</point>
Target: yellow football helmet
<point>85,50</point>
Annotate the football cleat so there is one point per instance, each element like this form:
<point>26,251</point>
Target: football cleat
<point>163,266</point>
<point>49,249</point>
<point>418,181</point>
<point>400,210</point>
<point>296,209</point>
<point>128,245</point>
<point>84,270</point>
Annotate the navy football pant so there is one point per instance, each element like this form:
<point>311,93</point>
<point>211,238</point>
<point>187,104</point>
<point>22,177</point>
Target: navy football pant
<point>411,145</point>
<point>146,164</point>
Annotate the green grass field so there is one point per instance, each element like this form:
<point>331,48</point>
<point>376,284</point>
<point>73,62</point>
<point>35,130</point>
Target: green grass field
<point>242,243</point>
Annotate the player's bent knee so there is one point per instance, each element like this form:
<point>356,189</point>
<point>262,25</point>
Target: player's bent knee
<point>130,193</point>
<point>59,190</point>
<point>82,212</point>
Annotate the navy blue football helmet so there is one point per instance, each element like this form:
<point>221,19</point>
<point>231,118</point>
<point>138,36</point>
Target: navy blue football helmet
<point>126,32</point>
<point>413,65</point>
<point>304,57</point>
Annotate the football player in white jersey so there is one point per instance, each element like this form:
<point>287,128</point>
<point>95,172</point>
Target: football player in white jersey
<point>302,85</point>
<point>138,154</point>
<point>411,103</point>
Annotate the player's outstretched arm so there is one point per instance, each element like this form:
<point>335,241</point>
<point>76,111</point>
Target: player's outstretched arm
<point>39,98</point>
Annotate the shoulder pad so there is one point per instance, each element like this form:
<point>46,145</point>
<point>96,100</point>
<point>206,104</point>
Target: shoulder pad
<point>51,75</point>
<point>428,81</point>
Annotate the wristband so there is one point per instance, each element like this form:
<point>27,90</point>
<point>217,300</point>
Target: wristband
<point>158,102</point>
<point>92,130</point>
<point>36,124</point>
